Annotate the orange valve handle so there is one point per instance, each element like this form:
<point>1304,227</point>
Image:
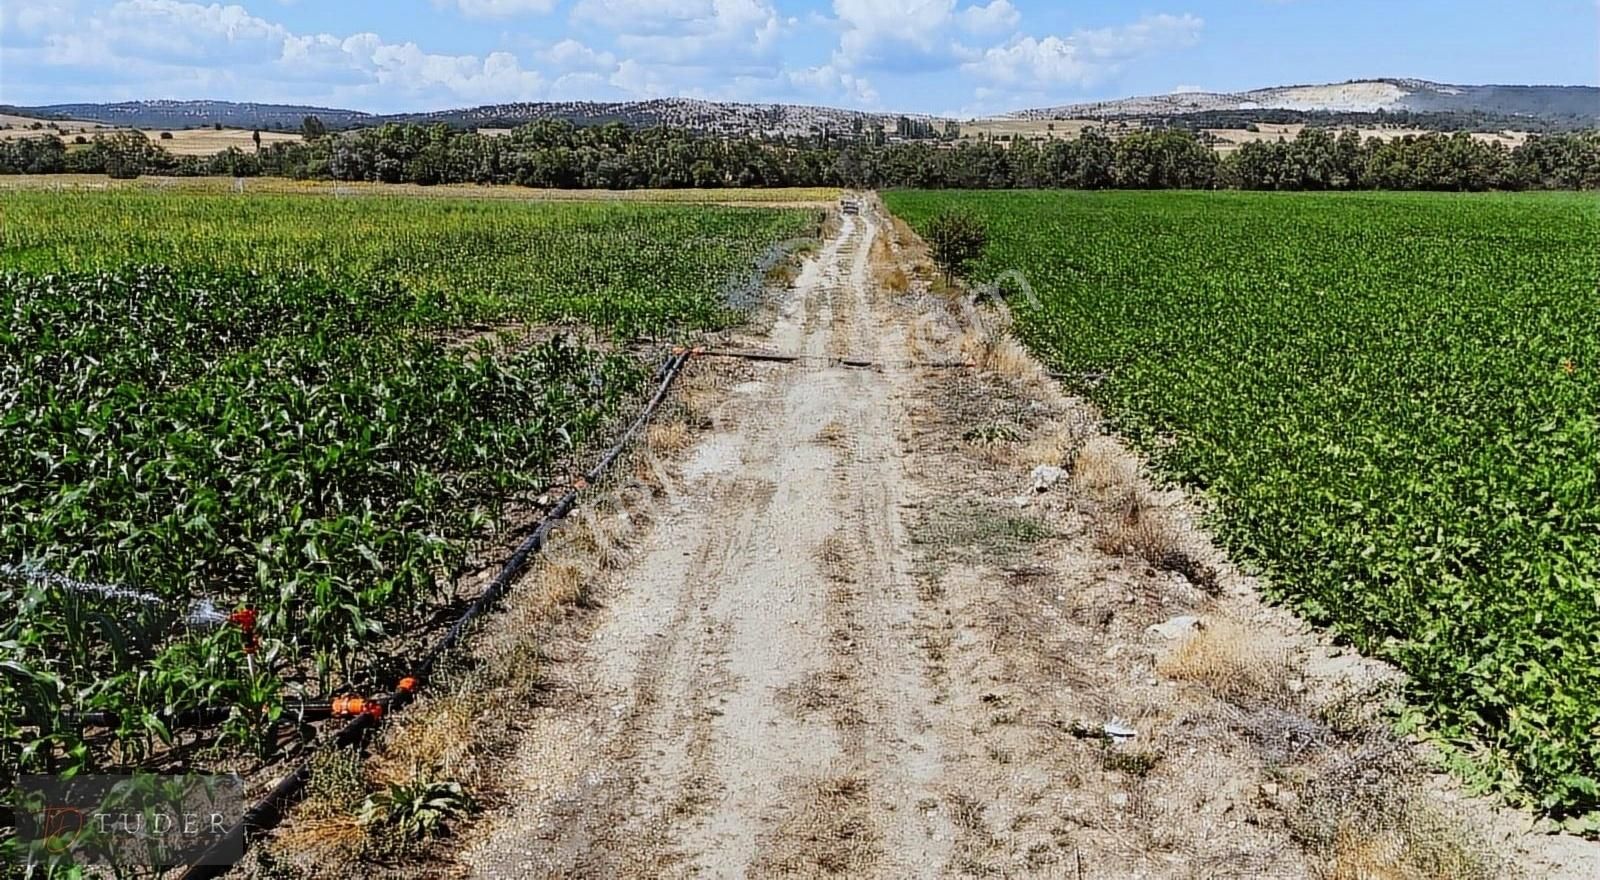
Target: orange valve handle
<point>407,685</point>
<point>351,707</point>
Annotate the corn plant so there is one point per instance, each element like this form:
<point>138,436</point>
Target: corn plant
<point>253,402</point>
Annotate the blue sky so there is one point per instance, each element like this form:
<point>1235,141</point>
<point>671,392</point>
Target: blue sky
<point>956,57</point>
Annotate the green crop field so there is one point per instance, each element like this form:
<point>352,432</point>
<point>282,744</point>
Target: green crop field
<point>222,402</point>
<point>1394,401</point>
<point>462,259</point>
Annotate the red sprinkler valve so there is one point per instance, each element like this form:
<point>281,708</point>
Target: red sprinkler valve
<point>245,620</point>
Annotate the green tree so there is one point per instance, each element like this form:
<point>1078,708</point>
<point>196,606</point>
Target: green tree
<point>311,128</point>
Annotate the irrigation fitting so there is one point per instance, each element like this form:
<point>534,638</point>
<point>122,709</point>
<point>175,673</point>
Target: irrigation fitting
<point>245,619</point>
<point>351,707</point>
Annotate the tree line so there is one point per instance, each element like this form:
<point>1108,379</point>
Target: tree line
<point>558,154</point>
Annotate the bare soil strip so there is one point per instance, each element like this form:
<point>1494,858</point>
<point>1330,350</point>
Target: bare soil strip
<point>862,640</point>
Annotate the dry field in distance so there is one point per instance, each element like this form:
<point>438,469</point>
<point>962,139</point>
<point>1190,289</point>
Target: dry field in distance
<point>184,141</point>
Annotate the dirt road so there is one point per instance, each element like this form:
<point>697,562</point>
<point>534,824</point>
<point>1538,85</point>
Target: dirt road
<point>758,679</point>
<point>854,645</point>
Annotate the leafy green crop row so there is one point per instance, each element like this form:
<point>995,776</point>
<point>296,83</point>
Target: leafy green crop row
<point>1394,400</point>
<point>245,401</point>
<point>633,268</point>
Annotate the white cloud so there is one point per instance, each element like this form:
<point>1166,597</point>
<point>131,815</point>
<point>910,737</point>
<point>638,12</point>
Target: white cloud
<point>170,31</point>
<point>746,50</point>
<point>170,48</point>
<point>570,54</point>
<point>895,34</point>
<point>681,32</point>
<point>1084,57</point>
<point>717,49</point>
<point>915,35</point>
<point>498,8</point>
<point>996,17</point>
<point>828,80</point>
<point>32,17</point>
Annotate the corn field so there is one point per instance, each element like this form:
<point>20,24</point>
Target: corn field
<point>211,403</point>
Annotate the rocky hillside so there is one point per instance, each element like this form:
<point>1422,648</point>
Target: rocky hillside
<point>705,116</point>
<point>1551,104</point>
<point>1503,106</point>
<point>197,114</point>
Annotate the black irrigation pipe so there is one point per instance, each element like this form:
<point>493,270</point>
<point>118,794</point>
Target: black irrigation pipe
<point>216,714</point>
<point>859,363</point>
<point>269,811</point>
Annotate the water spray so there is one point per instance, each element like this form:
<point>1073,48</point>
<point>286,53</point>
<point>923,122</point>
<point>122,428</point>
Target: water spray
<point>202,614</point>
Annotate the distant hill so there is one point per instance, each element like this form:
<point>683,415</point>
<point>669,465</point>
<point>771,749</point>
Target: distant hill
<point>711,117</point>
<point>1565,106</point>
<point>706,116</point>
<point>1495,106</point>
<point>193,114</point>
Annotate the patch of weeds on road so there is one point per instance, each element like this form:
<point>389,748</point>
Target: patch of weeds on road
<point>959,530</point>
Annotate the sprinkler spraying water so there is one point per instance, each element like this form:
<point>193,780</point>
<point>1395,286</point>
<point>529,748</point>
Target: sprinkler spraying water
<point>202,614</point>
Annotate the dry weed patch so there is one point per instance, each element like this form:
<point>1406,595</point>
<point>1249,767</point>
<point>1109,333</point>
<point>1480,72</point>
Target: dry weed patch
<point>1103,464</point>
<point>1362,817</point>
<point>828,834</point>
<point>1234,662</point>
<point>1135,528</point>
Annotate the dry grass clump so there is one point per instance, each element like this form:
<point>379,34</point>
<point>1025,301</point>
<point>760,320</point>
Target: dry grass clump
<point>1234,662</point>
<point>989,345</point>
<point>887,271</point>
<point>604,540</point>
<point>309,847</point>
<point>895,280</point>
<point>837,557</point>
<point>438,740</point>
<point>833,434</point>
<point>782,274</point>
<point>1135,528</point>
<point>911,245</point>
<point>829,833</point>
<point>667,437</point>
<point>1102,464</point>
<point>1057,445</point>
<point>1362,817</point>
<point>562,582</point>
<point>328,830</point>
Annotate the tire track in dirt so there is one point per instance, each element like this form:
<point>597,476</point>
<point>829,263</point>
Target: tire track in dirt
<point>776,584</point>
